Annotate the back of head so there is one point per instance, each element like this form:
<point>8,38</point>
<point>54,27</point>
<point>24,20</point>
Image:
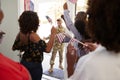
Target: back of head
<point>81,16</point>
<point>59,19</point>
<point>81,27</point>
<point>80,24</point>
<point>104,22</point>
<point>59,22</point>
<point>28,21</point>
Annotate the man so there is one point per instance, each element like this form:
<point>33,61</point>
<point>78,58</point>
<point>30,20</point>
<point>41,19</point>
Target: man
<point>57,46</point>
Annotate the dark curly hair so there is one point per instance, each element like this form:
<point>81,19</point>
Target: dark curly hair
<point>81,16</point>
<point>80,24</point>
<point>104,23</point>
<point>81,27</point>
<point>28,22</point>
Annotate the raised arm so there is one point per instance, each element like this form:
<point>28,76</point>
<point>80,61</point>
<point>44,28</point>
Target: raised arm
<point>69,23</point>
<point>51,40</point>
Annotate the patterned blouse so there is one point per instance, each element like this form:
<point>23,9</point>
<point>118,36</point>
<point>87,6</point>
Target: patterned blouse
<point>33,52</point>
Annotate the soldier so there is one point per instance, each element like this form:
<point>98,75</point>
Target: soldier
<point>57,46</point>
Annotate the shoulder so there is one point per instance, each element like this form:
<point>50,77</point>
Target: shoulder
<point>63,27</point>
<point>9,66</point>
<point>34,37</point>
<point>92,58</point>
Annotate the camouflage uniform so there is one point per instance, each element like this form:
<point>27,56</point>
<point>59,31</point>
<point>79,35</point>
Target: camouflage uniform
<point>57,46</point>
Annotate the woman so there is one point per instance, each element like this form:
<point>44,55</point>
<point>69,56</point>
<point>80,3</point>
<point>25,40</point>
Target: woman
<point>29,42</point>
<point>78,29</point>
<point>104,27</point>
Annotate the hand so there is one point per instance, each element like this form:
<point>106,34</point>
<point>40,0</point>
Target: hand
<point>62,16</point>
<point>91,46</point>
<point>65,7</point>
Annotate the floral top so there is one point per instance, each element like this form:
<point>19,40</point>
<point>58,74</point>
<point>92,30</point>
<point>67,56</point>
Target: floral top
<point>33,52</point>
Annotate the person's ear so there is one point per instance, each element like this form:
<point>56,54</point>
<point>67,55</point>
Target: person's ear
<point>1,16</point>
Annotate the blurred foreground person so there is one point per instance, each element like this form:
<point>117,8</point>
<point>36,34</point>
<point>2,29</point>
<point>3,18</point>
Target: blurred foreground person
<point>9,69</point>
<point>103,27</point>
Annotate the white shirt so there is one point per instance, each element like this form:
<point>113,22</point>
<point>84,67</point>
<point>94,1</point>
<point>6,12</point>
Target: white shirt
<point>98,65</point>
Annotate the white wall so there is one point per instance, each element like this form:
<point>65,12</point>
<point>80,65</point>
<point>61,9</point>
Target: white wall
<point>10,27</point>
<point>20,6</point>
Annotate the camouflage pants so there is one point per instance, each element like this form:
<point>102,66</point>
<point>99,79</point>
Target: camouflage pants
<point>56,49</point>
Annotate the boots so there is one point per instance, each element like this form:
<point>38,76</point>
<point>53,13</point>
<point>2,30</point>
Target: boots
<point>60,66</point>
<point>51,68</point>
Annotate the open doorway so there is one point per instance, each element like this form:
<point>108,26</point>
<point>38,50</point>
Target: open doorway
<point>53,9</point>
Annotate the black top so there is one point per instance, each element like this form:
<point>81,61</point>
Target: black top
<point>33,52</point>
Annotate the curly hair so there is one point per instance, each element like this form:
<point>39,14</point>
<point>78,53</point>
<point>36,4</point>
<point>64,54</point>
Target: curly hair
<point>104,23</point>
<point>80,24</point>
<point>81,16</point>
<point>81,27</point>
<point>28,22</point>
